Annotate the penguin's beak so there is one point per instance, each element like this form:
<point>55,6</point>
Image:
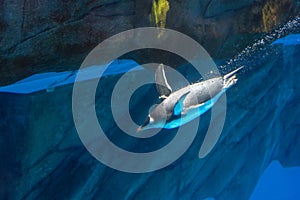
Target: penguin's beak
<point>139,129</point>
<point>147,121</point>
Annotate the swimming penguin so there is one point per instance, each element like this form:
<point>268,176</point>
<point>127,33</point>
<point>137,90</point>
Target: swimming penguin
<point>181,106</point>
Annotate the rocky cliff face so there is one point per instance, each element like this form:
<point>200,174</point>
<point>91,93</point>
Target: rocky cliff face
<point>38,36</point>
<point>43,158</point>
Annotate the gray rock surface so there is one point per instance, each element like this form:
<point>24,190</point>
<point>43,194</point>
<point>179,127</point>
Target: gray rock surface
<point>38,35</point>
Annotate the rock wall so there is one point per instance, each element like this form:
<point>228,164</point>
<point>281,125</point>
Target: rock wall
<point>39,35</point>
<point>43,158</point>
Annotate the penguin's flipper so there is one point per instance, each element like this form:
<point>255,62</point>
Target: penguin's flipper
<point>162,85</point>
<point>178,108</point>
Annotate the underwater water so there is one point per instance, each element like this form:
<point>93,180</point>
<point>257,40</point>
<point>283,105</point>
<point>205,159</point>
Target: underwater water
<point>278,182</point>
<point>256,157</point>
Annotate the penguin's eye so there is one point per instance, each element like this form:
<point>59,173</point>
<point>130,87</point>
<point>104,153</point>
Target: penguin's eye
<point>146,122</point>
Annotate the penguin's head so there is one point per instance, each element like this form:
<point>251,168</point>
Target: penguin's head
<point>155,119</point>
<point>149,122</point>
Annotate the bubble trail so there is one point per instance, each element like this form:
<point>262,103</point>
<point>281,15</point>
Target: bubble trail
<point>260,51</point>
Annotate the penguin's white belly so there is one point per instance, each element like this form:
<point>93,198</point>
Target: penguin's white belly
<point>188,114</point>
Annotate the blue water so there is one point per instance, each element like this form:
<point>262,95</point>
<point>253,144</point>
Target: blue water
<point>49,81</point>
<point>276,182</point>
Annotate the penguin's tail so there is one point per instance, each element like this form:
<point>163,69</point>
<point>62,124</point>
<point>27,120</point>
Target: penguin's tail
<point>230,78</point>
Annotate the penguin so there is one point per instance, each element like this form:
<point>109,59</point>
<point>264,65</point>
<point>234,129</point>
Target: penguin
<point>182,106</point>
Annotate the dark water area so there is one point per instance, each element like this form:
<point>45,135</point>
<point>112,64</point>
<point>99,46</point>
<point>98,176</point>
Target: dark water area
<point>256,156</point>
